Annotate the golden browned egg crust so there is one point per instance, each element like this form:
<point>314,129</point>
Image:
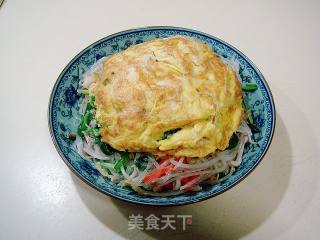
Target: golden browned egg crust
<point>175,83</point>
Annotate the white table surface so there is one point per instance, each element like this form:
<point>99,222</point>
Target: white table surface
<point>42,199</point>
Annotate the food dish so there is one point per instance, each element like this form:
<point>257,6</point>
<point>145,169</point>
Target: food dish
<point>175,85</point>
<point>264,134</point>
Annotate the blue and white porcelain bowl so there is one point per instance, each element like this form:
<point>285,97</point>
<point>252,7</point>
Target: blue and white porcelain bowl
<point>64,117</point>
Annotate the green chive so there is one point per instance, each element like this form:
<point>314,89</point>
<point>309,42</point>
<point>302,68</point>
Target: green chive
<point>94,132</point>
<point>141,162</point>
<point>247,111</point>
<point>106,149</point>
<point>122,161</point>
<point>87,117</point>
<point>250,87</point>
<point>250,119</point>
<point>253,127</point>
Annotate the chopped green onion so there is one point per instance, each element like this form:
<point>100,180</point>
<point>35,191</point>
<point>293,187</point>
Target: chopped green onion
<point>118,165</point>
<point>87,117</point>
<point>169,133</point>
<point>250,87</point>
<point>122,161</point>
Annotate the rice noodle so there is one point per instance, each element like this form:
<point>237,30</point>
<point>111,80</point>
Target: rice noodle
<point>89,150</point>
<point>87,78</point>
<point>139,178</point>
<point>125,174</point>
<point>84,105</point>
<point>154,162</point>
<point>207,164</point>
<point>98,151</point>
<point>246,130</point>
<point>238,160</point>
<point>108,165</point>
<point>177,184</point>
<point>179,163</point>
<point>181,175</point>
<point>194,181</point>
<point>159,186</point>
<point>93,123</point>
<point>228,155</point>
<point>135,172</point>
<point>218,180</point>
<point>115,177</point>
<point>114,174</point>
<point>231,171</point>
<point>79,146</point>
<point>196,188</point>
<point>100,169</point>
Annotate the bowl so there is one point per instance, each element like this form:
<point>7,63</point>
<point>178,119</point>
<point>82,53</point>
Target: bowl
<point>63,113</point>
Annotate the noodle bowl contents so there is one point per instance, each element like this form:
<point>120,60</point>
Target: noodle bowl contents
<point>164,117</point>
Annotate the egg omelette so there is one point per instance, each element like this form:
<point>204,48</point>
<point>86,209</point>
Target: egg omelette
<point>170,96</point>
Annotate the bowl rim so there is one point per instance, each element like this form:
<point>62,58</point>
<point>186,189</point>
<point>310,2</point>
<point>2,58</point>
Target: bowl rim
<point>148,28</point>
